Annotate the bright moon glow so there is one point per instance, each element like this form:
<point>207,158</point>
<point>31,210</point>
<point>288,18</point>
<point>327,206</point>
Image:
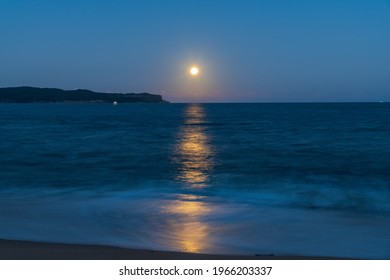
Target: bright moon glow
<point>194,71</point>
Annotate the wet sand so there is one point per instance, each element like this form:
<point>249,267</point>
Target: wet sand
<point>28,250</point>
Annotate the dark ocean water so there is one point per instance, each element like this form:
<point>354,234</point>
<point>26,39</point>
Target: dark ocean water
<point>309,179</point>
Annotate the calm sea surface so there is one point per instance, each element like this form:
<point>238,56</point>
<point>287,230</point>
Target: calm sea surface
<point>310,179</point>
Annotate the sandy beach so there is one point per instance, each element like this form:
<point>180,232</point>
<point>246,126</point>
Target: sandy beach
<point>28,250</point>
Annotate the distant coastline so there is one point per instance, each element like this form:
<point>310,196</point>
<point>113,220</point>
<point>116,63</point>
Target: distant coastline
<point>27,94</point>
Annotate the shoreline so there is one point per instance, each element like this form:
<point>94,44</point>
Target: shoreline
<point>31,250</point>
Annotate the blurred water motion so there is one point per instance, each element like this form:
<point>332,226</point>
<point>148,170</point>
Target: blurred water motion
<point>194,158</point>
<point>307,179</point>
<point>188,232</point>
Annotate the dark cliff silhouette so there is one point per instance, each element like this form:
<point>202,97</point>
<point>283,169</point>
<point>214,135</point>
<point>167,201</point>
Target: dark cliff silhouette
<point>50,95</point>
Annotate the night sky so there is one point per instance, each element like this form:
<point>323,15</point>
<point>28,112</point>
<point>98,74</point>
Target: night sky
<point>247,51</point>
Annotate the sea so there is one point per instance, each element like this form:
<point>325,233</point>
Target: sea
<point>308,179</point>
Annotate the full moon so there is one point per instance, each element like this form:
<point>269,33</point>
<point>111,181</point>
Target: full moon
<point>194,71</point>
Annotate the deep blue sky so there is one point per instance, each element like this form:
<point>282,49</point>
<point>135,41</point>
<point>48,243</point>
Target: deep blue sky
<point>264,50</point>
